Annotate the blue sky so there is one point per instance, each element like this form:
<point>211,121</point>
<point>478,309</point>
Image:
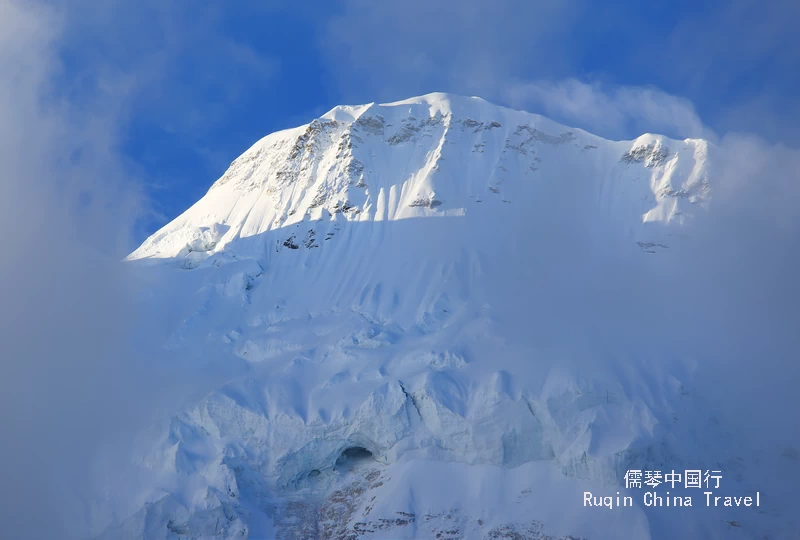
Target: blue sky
<point>182,88</point>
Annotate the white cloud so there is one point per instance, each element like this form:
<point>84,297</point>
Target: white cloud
<point>740,273</point>
<point>76,368</point>
<point>67,205</point>
<point>609,110</point>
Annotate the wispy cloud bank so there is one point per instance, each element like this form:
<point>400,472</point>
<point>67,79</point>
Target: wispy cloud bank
<point>608,110</point>
<point>67,206</point>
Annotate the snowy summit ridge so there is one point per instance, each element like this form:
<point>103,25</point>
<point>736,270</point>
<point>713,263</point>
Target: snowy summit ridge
<point>394,284</point>
<point>433,155</point>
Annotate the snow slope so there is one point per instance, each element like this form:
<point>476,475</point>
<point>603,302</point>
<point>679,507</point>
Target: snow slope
<point>413,295</point>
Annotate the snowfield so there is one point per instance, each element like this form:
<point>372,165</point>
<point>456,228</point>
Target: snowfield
<point>447,319</point>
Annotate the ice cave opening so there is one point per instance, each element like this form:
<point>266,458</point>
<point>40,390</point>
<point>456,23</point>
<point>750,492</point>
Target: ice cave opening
<point>353,456</point>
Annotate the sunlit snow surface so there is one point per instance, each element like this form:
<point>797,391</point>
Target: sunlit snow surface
<point>419,299</point>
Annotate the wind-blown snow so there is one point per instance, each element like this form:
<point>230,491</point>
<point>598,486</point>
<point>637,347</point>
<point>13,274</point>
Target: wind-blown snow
<point>406,288</point>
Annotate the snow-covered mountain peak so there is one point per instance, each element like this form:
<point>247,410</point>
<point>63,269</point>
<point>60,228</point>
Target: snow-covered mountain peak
<point>426,293</point>
<point>428,105</point>
<point>436,155</point>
